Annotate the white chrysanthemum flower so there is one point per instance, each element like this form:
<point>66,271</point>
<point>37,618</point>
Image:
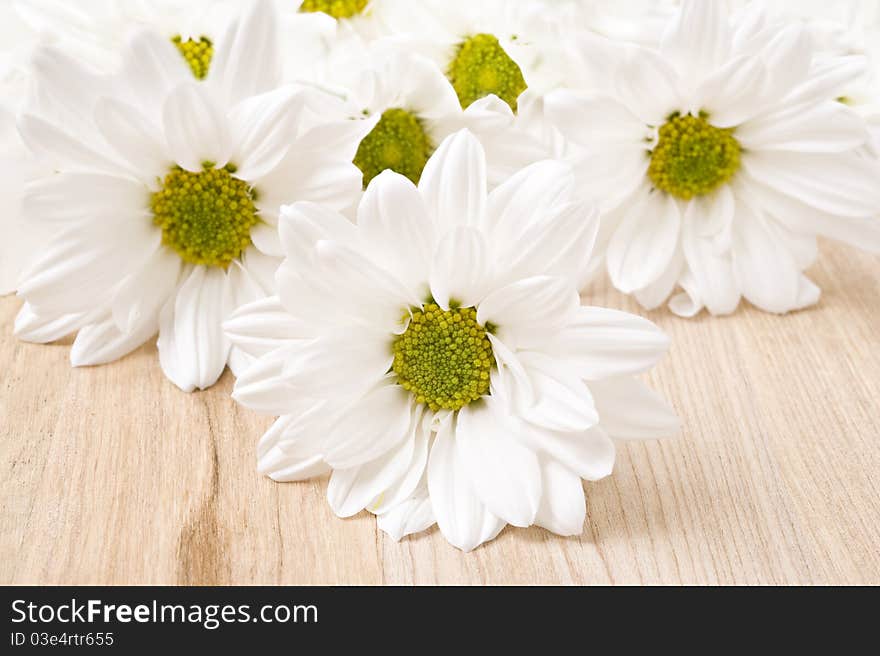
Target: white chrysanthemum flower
<point>437,357</point>
<point>166,193</point>
<point>411,107</point>
<point>487,47</point>
<point>96,31</point>
<point>719,158</point>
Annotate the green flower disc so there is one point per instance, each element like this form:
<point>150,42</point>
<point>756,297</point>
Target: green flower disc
<point>197,53</point>
<point>336,8</point>
<point>444,358</point>
<point>481,67</point>
<point>692,157</point>
<point>398,142</point>
<point>206,217</point>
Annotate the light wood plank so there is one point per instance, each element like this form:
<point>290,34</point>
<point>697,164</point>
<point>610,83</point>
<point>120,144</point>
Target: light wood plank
<point>111,475</point>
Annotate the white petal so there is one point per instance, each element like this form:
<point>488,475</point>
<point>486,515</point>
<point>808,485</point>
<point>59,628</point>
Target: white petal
<point>262,326</point>
<point>266,239</point>
<point>103,342</point>
<point>504,474</point>
<point>247,61</point>
<point>788,57</point>
<point>427,92</point>
<point>352,490</point>
<point>655,294</point>
<point>453,182</point>
<point>601,343</point>
<point>863,232</point>
<point>688,303</point>
<point>133,137</point>
<point>563,507</point>
<point>413,515</point>
<point>383,292</point>
<point>265,127</point>
<point>142,295</point>
<point>304,224</point>
<point>341,286</point>
<point>370,427</point>
<point>261,268</point>
<point>81,268</point>
<point>827,127</point>
<point>414,477</point>
<point>698,38</point>
<point>527,311</point>
<point>830,78</point>
<point>765,271</point>
<point>393,220</point>
<point>263,386</point>
<point>648,85</point>
<point>44,329</point>
<point>337,365</point>
<point>732,93</point>
<point>630,410</point>
<point>460,268</point>
<point>609,175</point>
<point>561,399</point>
<point>94,199</point>
<point>463,519</point>
<point>195,129</point>
<point>192,347</point>
<point>644,243</point>
<point>712,273</point>
<point>287,451</point>
<point>320,177</point>
<point>153,67</point>
<point>63,89</point>
<point>60,150</point>
<point>843,184</point>
<point>590,118</point>
<point>536,226</point>
<point>510,381</point>
<point>589,454</point>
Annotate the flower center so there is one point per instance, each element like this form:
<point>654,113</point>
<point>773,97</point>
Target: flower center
<point>197,53</point>
<point>335,8</point>
<point>206,217</point>
<point>444,357</point>
<point>398,142</point>
<point>692,157</point>
<point>481,67</point>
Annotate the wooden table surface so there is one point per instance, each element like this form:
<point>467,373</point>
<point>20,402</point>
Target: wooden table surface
<point>111,475</point>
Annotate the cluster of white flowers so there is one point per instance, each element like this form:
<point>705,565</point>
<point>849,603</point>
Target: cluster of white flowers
<point>380,214</point>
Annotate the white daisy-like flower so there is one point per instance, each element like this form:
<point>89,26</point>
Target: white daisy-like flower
<point>489,47</point>
<point>165,199</point>
<point>436,355</point>
<point>97,31</point>
<point>719,158</point>
<point>411,107</point>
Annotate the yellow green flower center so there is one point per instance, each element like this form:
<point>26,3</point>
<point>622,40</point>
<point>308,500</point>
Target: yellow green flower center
<point>398,142</point>
<point>444,357</point>
<point>692,157</point>
<point>481,67</point>
<point>336,8</point>
<point>197,53</point>
<point>206,217</point>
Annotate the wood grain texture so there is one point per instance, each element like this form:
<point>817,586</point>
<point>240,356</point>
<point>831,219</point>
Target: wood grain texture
<point>111,475</point>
